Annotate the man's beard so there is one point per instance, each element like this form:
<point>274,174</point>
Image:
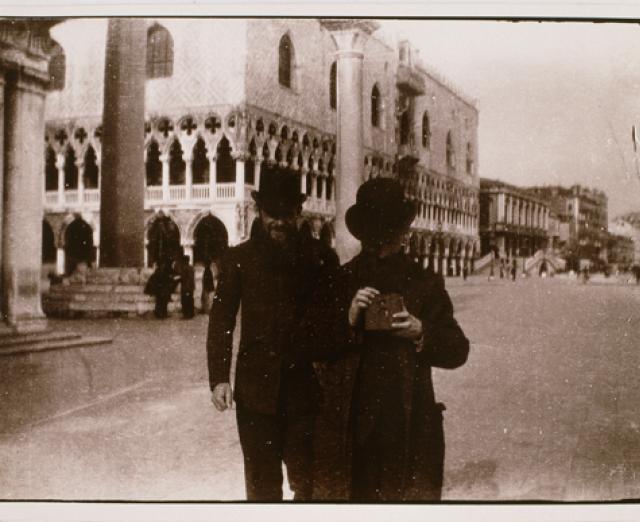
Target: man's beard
<point>281,234</point>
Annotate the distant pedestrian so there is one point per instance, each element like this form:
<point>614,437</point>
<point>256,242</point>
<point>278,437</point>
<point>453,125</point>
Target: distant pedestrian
<point>161,285</point>
<point>543,268</point>
<point>187,287</point>
<point>502,267</point>
<point>465,270</point>
<point>207,288</point>
<point>514,269</point>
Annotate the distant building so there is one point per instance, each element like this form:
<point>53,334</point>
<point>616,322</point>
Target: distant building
<point>620,251</point>
<point>513,222</point>
<point>583,221</point>
<point>628,226</point>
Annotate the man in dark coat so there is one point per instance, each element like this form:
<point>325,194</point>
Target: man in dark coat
<point>380,434</point>
<point>187,287</point>
<point>276,390</point>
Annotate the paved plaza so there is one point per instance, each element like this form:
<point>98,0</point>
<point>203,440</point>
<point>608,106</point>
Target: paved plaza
<point>545,408</point>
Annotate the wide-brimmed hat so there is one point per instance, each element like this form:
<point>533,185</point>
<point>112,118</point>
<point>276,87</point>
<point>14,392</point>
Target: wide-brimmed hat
<point>279,190</point>
<point>381,211</point>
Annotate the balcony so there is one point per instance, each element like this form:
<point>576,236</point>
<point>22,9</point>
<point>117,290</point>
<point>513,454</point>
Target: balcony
<point>410,81</point>
<point>89,199</point>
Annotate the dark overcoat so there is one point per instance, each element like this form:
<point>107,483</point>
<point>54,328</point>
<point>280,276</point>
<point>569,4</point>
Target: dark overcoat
<point>274,287</point>
<point>331,337</point>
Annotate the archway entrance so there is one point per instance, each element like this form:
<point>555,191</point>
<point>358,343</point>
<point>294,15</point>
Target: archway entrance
<point>163,240</point>
<point>78,244</point>
<point>210,239</point>
<point>48,244</point>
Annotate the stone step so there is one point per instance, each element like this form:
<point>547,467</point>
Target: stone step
<point>54,344</point>
<point>95,287</point>
<point>7,341</point>
<point>101,297</point>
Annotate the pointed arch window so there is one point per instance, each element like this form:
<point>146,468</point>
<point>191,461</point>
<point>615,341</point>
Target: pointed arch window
<point>333,86</point>
<point>70,170</point>
<point>200,165</point>
<point>469,159</point>
<point>426,131</point>
<point>285,61</point>
<point>177,166</point>
<point>154,165</point>
<point>91,170</point>
<point>375,106</point>
<point>57,67</point>
<point>450,153</point>
<point>225,164</point>
<point>159,52</point>
<point>50,170</point>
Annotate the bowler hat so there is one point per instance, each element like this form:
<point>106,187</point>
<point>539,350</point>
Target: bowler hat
<point>279,190</point>
<point>381,211</point>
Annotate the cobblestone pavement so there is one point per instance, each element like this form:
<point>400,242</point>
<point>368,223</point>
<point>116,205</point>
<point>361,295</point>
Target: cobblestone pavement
<point>545,408</point>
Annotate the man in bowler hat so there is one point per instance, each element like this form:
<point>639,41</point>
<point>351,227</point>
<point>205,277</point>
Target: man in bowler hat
<point>276,391</point>
<point>380,435</point>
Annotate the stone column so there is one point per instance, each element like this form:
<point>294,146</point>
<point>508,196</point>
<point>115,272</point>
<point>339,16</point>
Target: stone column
<point>80,165</point>
<point>23,209</point>
<point>188,176</point>
<point>61,181</point>
<point>164,159</point>
<point>350,37</point>
<point>60,260</point>
<point>2,88</point>
<point>213,174</point>
<point>240,178</point>
<point>122,191</point>
<point>256,173</point>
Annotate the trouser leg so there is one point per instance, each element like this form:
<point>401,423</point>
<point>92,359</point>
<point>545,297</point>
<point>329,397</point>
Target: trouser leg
<point>261,442</point>
<point>298,455</point>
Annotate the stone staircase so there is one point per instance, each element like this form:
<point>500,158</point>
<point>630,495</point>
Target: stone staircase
<point>482,265</point>
<point>12,343</point>
<point>103,292</point>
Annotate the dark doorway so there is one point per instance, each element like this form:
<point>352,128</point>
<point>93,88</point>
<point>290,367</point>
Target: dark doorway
<point>78,244</point>
<point>48,244</point>
<point>163,240</point>
<point>210,239</point>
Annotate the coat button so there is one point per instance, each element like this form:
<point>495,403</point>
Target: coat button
<point>272,354</point>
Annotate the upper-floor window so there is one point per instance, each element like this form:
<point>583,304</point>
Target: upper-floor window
<point>426,131</point>
<point>469,159</point>
<point>375,106</point>
<point>285,61</point>
<point>159,52</point>
<point>450,153</point>
<point>333,90</point>
<point>57,66</point>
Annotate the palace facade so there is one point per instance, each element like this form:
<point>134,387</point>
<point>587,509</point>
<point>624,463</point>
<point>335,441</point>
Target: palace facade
<point>223,97</point>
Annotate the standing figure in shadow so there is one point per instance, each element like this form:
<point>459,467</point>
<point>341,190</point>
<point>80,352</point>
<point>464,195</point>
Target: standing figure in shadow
<point>381,323</point>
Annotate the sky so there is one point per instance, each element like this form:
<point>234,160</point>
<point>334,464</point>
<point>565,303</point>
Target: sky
<point>556,101</point>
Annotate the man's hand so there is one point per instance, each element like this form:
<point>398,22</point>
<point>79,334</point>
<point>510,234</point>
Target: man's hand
<point>221,396</point>
<point>406,325</point>
<point>360,302</point>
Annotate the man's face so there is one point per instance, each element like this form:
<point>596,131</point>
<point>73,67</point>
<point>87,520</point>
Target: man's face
<point>282,227</point>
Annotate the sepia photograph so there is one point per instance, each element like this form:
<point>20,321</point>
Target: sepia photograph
<point>258,258</point>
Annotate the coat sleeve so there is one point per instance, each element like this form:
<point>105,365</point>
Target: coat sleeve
<point>222,321</point>
<point>325,334</point>
<point>445,345</point>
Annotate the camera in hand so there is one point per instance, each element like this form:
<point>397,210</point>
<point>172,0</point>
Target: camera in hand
<point>379,315</point>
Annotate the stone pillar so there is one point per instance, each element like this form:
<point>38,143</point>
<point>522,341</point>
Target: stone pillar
<point>61,185</point>
<point>164,159</point>
<point>23,209</point>
<point>188,176</point>
<point>256,173</point>
<point>60,260</point>
<point>349,37</point>
<point>122,190</point>
<point>213,174</point>
<point>240,178</point>
<point>80,165</point>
